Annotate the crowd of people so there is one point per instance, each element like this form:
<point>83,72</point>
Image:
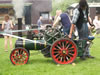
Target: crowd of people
<point>81,21</point>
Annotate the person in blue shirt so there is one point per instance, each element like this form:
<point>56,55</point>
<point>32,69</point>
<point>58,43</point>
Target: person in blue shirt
<point>39,22</point>
<point>64,19</point>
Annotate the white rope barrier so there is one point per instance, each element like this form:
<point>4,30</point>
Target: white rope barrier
<point>15,31</point>
<point>14,36</point>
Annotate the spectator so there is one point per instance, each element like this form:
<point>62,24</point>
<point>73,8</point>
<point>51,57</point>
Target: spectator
<point>39,22</point>
<point>96,23</point>
<point>7,26</point>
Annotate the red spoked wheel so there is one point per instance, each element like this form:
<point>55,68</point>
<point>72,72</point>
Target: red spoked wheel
<point>64,51</point>
<point>19,56</point>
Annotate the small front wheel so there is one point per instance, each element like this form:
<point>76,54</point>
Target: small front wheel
<point>19,56</point>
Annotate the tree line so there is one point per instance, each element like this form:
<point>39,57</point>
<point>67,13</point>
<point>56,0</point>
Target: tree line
<point>64,4</point>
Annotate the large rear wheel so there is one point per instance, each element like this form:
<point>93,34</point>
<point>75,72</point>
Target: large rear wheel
<point>64,51</point>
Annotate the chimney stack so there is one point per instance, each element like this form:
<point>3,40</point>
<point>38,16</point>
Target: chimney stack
<point>20,26</point>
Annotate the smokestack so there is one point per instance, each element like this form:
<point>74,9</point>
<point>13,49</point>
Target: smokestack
<point>20,26</point>
<point>18,6</point>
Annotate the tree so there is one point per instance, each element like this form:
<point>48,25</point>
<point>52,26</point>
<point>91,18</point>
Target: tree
<point>61,4</point>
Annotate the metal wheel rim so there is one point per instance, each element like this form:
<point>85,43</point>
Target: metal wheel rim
<point>19,56</point>
<point>64,54</point>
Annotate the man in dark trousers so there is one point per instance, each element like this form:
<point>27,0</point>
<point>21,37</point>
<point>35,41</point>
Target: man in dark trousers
<point>80,19</point>
<point>64,19</point>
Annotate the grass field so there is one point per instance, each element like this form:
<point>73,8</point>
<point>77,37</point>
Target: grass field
<point>38,65</point>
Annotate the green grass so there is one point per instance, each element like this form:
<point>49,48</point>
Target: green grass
<point>39,65</point>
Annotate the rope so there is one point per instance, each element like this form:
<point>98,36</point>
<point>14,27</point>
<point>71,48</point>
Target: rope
<point>20,38</point>
<point>15,31</point>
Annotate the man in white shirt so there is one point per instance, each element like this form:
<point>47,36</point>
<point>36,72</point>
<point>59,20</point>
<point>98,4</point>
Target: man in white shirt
<point>96,23</point>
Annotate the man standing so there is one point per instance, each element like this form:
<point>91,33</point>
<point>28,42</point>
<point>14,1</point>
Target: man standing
<point>80,19</point>
<point>39,22</point>
<point>96,23</point>
<point>65,21</point>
